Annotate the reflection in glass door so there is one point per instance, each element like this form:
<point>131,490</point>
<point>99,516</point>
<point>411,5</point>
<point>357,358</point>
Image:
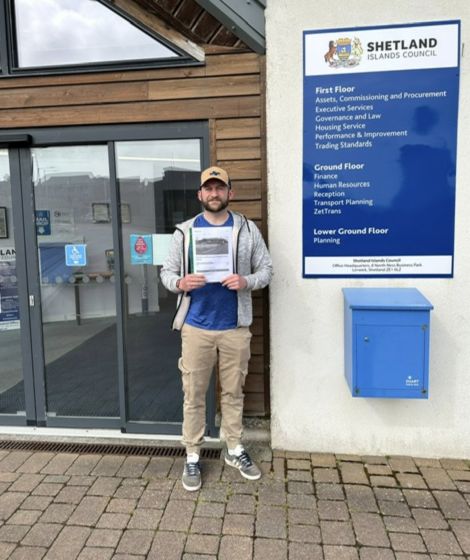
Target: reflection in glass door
<point>95,348</point>
<point>158,182</point>
<point>12,395</point>
<point>77,283</point>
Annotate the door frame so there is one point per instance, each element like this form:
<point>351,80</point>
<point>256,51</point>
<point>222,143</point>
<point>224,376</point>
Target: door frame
<point>19,143</point>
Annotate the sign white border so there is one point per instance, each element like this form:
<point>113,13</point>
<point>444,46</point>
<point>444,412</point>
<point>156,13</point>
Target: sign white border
<point>443,55</point>
<point>390,266</point>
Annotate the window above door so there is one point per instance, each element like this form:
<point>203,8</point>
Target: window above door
<point>64,36</point>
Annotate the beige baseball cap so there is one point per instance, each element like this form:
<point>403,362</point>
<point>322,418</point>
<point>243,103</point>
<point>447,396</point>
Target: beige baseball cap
<point>215,173</point>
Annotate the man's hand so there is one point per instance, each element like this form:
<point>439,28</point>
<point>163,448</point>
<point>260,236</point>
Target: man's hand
<point>234,282</point>
<point>191,282</point>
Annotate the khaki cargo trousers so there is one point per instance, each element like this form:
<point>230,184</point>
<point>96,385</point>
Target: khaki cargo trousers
<point>200,351</point>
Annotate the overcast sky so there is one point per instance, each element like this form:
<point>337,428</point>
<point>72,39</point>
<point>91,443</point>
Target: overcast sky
<point>57,32</point>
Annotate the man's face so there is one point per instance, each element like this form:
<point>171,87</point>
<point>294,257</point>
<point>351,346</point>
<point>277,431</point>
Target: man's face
<point>215,195</point>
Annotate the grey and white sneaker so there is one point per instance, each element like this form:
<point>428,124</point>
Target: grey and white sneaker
<point>244,464</point>
<point>191,478</point>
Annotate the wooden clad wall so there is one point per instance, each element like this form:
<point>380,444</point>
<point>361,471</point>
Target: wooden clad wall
<point>228,91</point>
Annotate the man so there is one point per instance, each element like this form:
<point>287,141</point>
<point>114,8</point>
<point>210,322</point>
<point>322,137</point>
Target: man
<point>214,318</point>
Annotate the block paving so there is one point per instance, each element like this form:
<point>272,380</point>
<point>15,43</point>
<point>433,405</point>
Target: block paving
<point>307,506</point>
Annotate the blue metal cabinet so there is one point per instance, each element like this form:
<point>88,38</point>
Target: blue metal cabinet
<point>386,342</point>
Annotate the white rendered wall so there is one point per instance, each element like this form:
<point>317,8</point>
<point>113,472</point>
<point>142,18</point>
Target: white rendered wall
<point>312,408</point>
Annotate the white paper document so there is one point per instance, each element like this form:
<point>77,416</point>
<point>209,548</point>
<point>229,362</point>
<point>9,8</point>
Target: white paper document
<point>212,252</point>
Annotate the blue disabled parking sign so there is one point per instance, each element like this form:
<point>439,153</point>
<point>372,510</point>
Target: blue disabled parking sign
<point>75,255</point>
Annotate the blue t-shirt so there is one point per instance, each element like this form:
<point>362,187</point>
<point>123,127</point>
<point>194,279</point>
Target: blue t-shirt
<point>213,307</point>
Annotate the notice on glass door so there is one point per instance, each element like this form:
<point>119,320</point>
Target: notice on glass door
<point>379,155</point>
<point>9,302</point>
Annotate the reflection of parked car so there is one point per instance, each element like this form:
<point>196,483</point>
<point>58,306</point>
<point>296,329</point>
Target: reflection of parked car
<point>214,240</point>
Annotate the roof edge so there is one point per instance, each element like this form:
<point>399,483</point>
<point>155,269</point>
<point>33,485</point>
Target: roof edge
<point>244,19</point>
<point>155,24</point>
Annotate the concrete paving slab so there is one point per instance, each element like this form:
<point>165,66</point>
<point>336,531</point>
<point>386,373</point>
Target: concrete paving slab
<point>309,506</point>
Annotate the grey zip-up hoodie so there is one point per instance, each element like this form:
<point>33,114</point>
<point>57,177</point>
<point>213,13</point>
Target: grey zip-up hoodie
<point>251,260</point>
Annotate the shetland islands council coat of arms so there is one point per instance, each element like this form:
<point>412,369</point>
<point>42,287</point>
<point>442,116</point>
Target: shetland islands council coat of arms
<point>344,53</point>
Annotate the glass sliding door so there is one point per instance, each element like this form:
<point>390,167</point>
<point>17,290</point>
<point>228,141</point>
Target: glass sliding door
<point>12,395</point>
<point>158,182</point>
<point>94,347</point>
<point>76,270</point>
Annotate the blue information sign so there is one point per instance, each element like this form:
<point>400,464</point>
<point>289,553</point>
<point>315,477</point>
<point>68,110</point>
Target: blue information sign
<point>380,146</point>
<point>43,222</point>
<point>75,255</point>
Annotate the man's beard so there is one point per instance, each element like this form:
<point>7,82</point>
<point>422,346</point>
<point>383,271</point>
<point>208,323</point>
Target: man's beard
<point>222,205</point>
